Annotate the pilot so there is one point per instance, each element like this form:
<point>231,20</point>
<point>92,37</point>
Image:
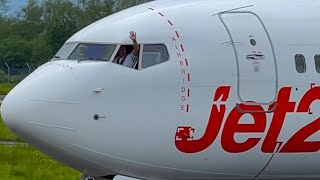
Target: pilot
<point>128,59</point>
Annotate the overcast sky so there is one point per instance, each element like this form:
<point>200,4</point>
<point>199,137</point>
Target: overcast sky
<point>15,5</point>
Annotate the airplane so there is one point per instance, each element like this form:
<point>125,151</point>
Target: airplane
<point>219,90</point>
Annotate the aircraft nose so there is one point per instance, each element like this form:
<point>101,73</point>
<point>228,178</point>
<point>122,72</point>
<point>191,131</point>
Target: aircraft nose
<point>39,109</point>
<point>9,111</point>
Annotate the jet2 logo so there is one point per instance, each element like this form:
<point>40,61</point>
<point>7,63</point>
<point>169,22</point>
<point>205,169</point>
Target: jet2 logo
<point>298,143</point>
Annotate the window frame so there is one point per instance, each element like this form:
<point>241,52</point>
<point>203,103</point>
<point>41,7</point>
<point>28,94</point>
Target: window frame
<point>115,53</point>
<point>140,57</point>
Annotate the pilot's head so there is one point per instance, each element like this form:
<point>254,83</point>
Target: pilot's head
<point>122,51</point>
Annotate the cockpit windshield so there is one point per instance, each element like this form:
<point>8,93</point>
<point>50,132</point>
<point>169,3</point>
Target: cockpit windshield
<point>65,51</point>
<point>96,52</point>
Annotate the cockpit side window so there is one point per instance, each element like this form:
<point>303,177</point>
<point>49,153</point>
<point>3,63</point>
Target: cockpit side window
<point>96,52</point>
<point>149,55</point>
<point>126,57</point>
<point>154,54</point>
<point>65,51</point>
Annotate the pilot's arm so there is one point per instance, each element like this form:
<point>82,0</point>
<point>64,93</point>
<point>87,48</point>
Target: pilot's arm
<point>133,37</point>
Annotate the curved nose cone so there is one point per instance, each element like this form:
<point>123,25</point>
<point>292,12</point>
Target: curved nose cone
<point>39,108</point>
<point>8,109</point>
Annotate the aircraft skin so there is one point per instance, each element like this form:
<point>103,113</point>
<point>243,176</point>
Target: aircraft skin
<point>228,104</point>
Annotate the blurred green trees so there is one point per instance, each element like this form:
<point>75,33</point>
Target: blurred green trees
<point>39,29</point>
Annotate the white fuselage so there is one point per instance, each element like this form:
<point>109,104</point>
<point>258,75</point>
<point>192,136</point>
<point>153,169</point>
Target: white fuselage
<point>232,101</point>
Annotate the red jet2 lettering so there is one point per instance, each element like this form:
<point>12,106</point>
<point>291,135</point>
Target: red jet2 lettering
<point>298,143</point>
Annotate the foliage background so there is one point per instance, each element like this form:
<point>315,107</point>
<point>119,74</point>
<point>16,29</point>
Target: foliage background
<point>37,31</point>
